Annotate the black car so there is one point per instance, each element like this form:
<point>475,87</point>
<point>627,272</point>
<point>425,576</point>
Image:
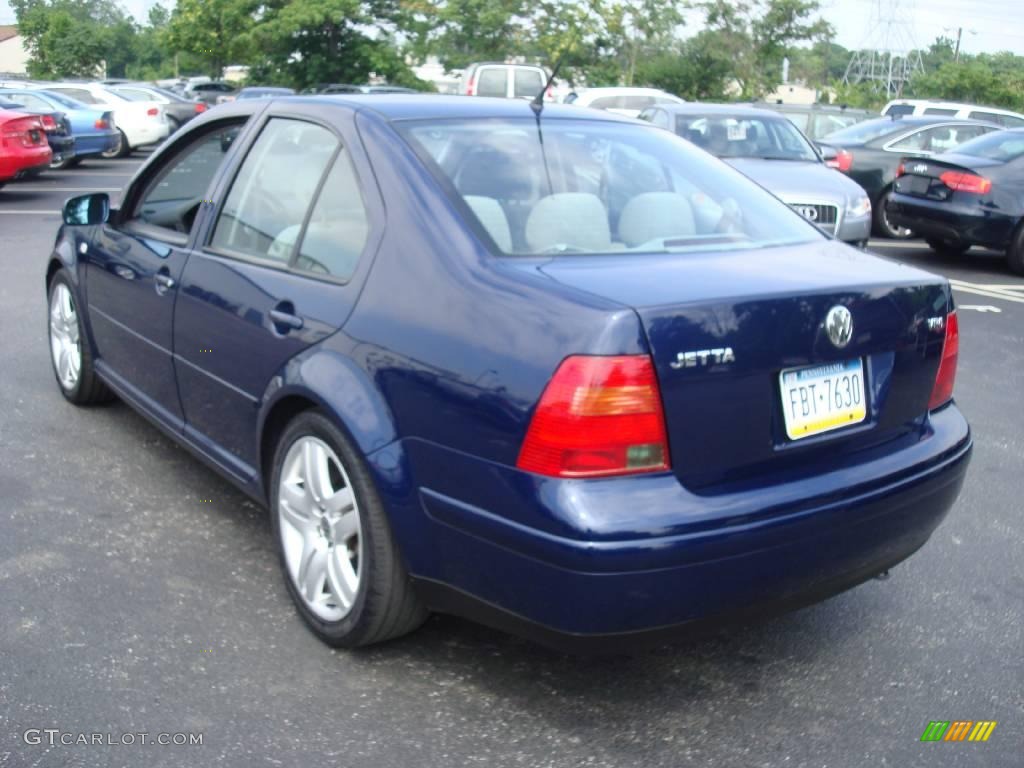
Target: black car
<point>972,196</point>
<point>870,152</point>
<point>57,127</point>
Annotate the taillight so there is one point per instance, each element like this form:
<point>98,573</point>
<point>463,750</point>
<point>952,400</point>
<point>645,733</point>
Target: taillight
<point>152,111</point>
<point>101,124</point>
<point>942,392</point>
<point>901,169</point>
<point>966,182</point>
<point>471,86</point>
<point>843,161</point>
<point>19,132</point>
<point>598,416</point>
<point>49,124</point>
<point>200,107</point>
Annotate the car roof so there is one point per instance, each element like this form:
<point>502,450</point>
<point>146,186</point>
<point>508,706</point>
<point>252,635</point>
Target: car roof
<point>408,106</point>
<point>702,109</point>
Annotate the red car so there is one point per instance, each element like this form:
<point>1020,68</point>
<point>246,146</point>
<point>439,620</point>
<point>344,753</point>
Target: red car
<point>24,150</point>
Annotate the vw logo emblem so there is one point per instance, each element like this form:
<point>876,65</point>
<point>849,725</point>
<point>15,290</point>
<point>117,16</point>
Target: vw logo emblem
<point>839,326</point>
<point>809,212</point>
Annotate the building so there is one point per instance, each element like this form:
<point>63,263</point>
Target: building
<point>13,54</point>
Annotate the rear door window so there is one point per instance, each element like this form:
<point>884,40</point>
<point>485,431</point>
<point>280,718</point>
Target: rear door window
<point>79,94</point>
<point>274,189</point>
<point>940,112</point>
<point>528,83</point>
<point>900,110</point>
<point>492,81</point>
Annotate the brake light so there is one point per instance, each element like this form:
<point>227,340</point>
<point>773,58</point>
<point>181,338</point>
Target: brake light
<point>966,182</point>
<point>471,86</point>
<point>843,161</point>
<point>598,416</point>
<point>49,124</point>
<point>19,132</point>
<point>942,392</point>
<point>200,107</point>
<point>152,111</point>
<point>101,124</point>
<point>901,169</point>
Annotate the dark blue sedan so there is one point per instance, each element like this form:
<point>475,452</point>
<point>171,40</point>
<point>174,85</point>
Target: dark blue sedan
<point>562,373</point>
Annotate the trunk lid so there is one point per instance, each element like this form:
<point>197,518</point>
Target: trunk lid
<point>923,177</point>
<point>724,416</point>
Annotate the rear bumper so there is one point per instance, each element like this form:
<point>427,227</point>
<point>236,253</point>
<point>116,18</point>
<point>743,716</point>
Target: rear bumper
<point>95,143</point>
<point>25,163</point>
<point>955,223</point>
<point>62,147</point>
<point>702,561</point>
<point>141,134</point>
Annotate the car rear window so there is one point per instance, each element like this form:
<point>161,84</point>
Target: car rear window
<point>745,136</point>
<point>527,83</point>
<point>589,186</point>
<point>492,81</point>
<point>998,145</point>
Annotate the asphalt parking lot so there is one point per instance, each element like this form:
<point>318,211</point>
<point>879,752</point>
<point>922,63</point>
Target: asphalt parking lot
<point>140,593</point>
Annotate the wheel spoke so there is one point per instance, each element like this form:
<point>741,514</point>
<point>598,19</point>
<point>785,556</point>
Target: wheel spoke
<point>314,471</point>
<point>312,569</point>
<point>344,528</point>
<point>341,578</point>
<point>340,502</point>
<point>296,507</point>
<point>63,363</point>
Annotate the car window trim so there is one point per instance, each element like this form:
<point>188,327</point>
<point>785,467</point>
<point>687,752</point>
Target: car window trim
<point>227,253</point>
<point>126,212</point>
<point>164,235</point>
<point>887,147</point>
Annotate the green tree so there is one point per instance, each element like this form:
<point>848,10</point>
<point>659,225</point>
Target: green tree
<point>215,32</point>
<point>73,38</point>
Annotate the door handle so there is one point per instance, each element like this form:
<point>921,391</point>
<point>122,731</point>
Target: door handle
<point>285,321</point>
<point>163,282</point>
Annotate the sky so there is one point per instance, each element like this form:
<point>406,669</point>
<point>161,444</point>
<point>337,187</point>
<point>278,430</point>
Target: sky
<point>989,25</point>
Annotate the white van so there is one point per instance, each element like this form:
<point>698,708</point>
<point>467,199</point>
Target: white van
<point>511,81</point>
<point>917,107</point>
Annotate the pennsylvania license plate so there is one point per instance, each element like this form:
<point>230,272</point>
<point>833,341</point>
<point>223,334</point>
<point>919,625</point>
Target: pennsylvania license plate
<point>822,398</point>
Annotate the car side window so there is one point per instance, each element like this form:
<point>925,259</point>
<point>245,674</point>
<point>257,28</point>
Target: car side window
<point>31,102</point>
<point>175,194</point>
<point>660,118</point>
<point>527,83</point>
<point>274,190</point>
<point>916,142</point>
<point>79,94</point>
<point>336,233</point>
<point>605,102</point>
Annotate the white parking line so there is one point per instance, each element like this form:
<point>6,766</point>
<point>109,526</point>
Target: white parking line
<point>83,172</point>
<point>30,213</point>
<point>26,188</point>
<point>982,290</point>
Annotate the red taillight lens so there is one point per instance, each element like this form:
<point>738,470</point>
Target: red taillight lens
<point>101,124</point>
<point>843,161</point>
<point>19,132</point>
<point>152,111</point>
<point>471,86</point>
<point>598,416</point>
<point>200,107</point>
<point>49,124</point>
<point>942,392</point>
<point>901,169</point>
<point>966,182</point>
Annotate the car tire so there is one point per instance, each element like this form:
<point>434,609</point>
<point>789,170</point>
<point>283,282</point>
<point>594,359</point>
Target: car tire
<point>946,249</point>
<point>121,149</point>
<point>74,162</point>
<point>883,226</point>
<point>341,565</point>
<point>60,166</point>
<point>70,354</point>
<point>1015,253</point>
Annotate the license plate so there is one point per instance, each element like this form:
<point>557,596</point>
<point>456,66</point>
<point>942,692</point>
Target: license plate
<point>821,398</point>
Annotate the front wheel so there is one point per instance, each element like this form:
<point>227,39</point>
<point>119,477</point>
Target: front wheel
<point>340,561</point>
<point>69,350</point>
<point>947,249</point>
<point>882,223</point>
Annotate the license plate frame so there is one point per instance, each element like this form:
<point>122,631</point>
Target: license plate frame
<point>822,398</point>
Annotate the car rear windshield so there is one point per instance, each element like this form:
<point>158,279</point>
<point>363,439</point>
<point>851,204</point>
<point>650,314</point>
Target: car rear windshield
<point>861,133</point>
<point>773,138</point>
<point>590,186</point>
<point>998,145</point>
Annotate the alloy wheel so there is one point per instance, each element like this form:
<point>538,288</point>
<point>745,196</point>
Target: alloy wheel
<point>321,532</point>
<point>65,344</point>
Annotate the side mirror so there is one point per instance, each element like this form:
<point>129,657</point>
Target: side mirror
<point>86,210</point>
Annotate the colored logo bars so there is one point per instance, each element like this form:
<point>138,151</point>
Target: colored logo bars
<point>958,730</point>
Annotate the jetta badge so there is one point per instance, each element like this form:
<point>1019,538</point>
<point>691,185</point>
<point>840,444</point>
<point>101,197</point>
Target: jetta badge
<point>839,326</point>
<point>703,357</point>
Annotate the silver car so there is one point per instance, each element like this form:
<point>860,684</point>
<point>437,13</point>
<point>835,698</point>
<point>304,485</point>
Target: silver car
<point>770,150</point>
